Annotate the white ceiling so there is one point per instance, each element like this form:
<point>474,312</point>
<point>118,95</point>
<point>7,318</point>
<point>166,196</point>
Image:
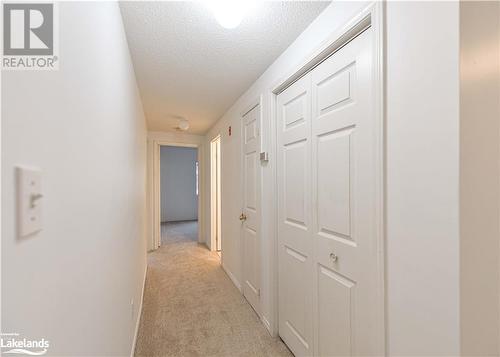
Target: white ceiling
<point>187,65</point>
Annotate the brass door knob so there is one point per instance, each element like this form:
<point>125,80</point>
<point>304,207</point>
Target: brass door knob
<point>243,217</point>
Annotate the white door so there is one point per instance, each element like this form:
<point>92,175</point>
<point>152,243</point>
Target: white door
<point>215,193</point>
<point>294,215</point>
<point>250,216</point>
<point>218,198</point>
<point>335,220</point>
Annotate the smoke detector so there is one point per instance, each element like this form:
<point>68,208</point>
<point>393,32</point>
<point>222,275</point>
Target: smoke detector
<point>183,125</point>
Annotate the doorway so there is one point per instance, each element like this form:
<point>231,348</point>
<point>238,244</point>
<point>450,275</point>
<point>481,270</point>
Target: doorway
<point>215,195</point>
<point>179,193</point>
<point>155,191</point>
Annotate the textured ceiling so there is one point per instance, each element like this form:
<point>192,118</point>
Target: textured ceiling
<point>187,65</point>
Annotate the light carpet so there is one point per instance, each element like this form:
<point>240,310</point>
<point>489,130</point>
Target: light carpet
<point>191,307</point>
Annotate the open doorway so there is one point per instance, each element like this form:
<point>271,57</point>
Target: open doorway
<point>179,194</point>
<point>215,194</point>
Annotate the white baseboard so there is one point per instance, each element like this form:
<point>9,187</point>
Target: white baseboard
<point>139,312</point>
<point>232,277</point>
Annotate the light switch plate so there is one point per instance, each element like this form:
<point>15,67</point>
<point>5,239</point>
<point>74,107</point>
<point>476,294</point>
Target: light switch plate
<point>29,200</point>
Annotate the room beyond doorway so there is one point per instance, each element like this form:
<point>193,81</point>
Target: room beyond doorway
<point>179,187</point>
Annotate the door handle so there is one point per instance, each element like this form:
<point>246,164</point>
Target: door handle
<point>243,217</point>
<point>334,257</point>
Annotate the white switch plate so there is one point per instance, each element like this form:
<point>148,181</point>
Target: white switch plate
<point>29,200</point>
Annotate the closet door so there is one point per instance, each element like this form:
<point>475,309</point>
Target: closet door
<point>294,212</point>
<point>343,201</point>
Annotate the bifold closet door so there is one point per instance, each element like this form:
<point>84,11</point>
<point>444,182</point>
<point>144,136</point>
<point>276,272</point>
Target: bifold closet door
<point>294,211</point>
<point>328,258</point>
<point>343,176</point>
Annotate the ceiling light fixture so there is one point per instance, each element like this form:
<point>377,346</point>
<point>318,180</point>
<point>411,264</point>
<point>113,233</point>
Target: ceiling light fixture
<point>183,125</point>
<point>229,13</point>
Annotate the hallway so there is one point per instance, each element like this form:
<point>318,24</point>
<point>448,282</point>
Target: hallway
<point>191,307</point>
<point>343,155</point>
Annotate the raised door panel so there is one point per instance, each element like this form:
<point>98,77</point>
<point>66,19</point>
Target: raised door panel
<point>250,130</point>
<point>296,322</point>
<point>335,301</point>
<point>251,268</point>
<point>334,183</point>
<point>335,90</point>
<point>250,182</point>
<point>294,181</point>
<point>294,111</point>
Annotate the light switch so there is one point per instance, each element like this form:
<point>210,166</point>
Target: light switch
<point>29,200</point>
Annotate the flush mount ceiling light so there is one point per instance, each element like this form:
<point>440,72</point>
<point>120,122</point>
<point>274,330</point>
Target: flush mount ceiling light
<point>229,13</point>
<point>183,125</point>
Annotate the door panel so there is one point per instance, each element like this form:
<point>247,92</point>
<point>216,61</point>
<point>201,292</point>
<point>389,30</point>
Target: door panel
<point>251,207</point>
<point>294,214</point>
<point>297,321</point>
<point>334,179</point>
<point>250,194</point>
<point>295,163</point>
<point>335,295</point>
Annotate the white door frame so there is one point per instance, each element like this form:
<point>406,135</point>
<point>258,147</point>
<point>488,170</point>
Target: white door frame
<point>372,16</point>
<point>215,197</point>
<point>155,190</point>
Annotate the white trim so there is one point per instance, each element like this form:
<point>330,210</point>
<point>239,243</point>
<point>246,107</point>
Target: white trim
<point>378,19</point>
<point>155,141</point>
<point>371,16</point>
<point>273,264</point>
<point>213,227</point>
<point>139,314</point>
<point>233,278</point>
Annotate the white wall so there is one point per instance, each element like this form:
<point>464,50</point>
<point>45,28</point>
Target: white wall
<point>73,282</point>
<point>179,201</point>
<point>422,178</point>
<point>422,171</point>
<point>479,168</point>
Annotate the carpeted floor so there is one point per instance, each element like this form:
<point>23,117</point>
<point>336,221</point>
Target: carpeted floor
<point>191,307</point>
